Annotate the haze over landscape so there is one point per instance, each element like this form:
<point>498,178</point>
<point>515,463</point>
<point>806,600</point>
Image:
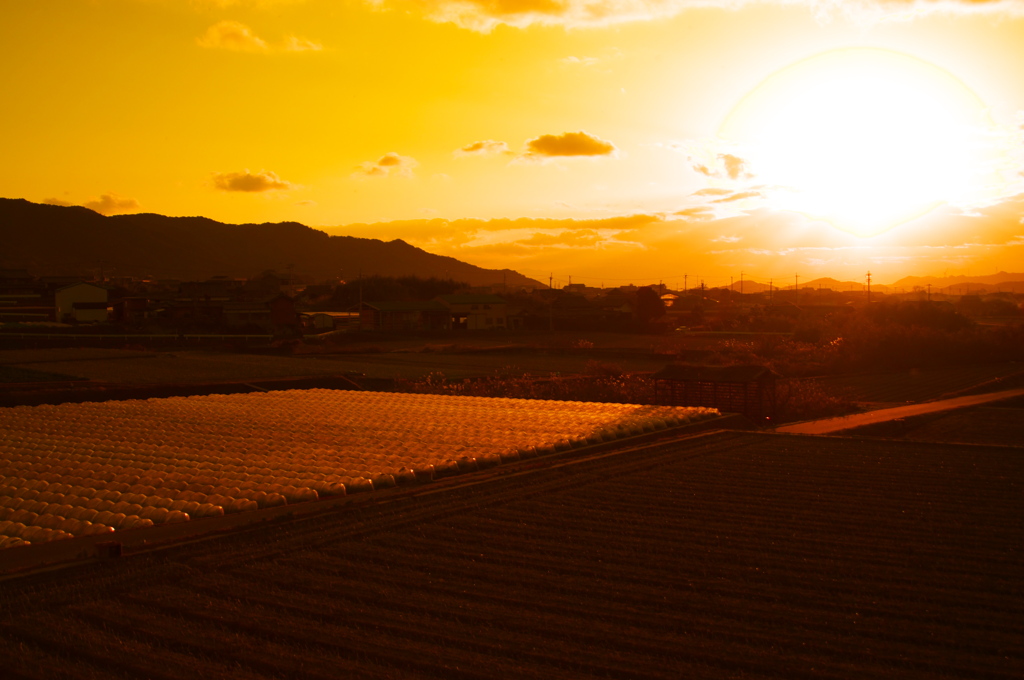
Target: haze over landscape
<point>472,339</point>
<point>620,142</point>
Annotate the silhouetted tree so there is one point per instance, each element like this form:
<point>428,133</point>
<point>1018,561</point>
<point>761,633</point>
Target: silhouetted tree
<point>648,308</point>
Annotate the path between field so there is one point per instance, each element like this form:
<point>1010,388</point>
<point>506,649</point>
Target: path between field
<point>832,425</point>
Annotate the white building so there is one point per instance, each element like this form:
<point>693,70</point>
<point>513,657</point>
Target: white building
<point>83,302</point>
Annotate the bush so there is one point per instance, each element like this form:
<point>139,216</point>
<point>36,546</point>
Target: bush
<point>807,400</point>
<point>624,388</point>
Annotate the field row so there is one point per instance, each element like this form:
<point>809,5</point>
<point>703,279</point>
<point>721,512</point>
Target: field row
<point>733,555</point>
<point>81,469</point>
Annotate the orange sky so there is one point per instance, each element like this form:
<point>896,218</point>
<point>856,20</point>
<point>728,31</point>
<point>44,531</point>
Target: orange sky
<point>612,140</point>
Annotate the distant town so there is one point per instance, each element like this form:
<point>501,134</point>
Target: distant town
<point>279,305</point>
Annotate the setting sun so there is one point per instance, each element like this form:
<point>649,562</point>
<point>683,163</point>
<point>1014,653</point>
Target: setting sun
<point>865,138</point>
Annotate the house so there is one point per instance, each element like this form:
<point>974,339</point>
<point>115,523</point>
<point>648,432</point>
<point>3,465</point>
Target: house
<point>81,302</point>
<point>270,314</point>
<point>749,390</point>
<point>331,321</point>
<point>133,309</point>
<point>473,311</point>
<point>23,298</point>
<point>404,316</point>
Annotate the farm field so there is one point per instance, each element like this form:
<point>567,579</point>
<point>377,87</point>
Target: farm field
<point>19,374</point>
<point>10,357</point>
<point>1000,424</point>
<point>84,469</point>
<point>199,366</point>
<point>912,386</point>
<point>189,366</point>
<point>727,555</point>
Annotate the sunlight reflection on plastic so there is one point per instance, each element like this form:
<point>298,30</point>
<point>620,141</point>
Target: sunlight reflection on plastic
<point>94,468</point>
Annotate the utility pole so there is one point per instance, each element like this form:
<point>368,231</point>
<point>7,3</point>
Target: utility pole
<point>869,288</point>
<point>929,292</point>
<point>551,279</point>
<point>796,289</point>
<point>741,283</point>
<point>770,292</point>
<point>684,283</point>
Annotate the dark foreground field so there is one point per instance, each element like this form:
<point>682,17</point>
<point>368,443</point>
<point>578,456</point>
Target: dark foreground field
<point>726,555</point>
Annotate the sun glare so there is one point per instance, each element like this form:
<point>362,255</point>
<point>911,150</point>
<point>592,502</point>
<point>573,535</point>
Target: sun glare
<point>865,138</point>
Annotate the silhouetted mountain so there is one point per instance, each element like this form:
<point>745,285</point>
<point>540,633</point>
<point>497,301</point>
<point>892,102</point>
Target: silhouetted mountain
<point>993,281</point>
<point>752,286</point>
<point>52,240</point>
<point>842,286</point>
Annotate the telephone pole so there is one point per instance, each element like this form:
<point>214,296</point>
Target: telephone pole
<point>869,288</point>
<point>796,289</point>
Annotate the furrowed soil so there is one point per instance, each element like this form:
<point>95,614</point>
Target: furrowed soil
<point>920,385</point>
<point>206,366</point>
<point>730,555</point>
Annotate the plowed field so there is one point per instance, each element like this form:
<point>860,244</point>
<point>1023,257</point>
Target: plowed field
<point>724,556</point>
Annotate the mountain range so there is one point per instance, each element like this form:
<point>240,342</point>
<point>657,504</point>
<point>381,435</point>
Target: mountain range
<point>50,240</point>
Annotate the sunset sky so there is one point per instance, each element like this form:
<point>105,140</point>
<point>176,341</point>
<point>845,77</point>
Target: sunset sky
<point>613,141</point>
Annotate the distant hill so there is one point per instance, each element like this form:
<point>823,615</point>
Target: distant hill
<point>50,240</point>
<point>752,286</point>
<point>842,286</point>
<point>966,284</point>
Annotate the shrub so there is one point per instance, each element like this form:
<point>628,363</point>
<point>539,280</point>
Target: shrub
<point>803,399</point>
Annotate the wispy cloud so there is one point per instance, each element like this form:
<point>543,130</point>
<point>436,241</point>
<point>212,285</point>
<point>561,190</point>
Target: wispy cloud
<point>580,61</point>
<point>486,147</point>
<point>294,43</point>
<point>227,4</point>
<point>696,213</point>
<point>485,15</point>
<point>251,182</point>
<point>725,165</point>
<point>237,37</point>
<point>738,196</point>
<point>232,35</point>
